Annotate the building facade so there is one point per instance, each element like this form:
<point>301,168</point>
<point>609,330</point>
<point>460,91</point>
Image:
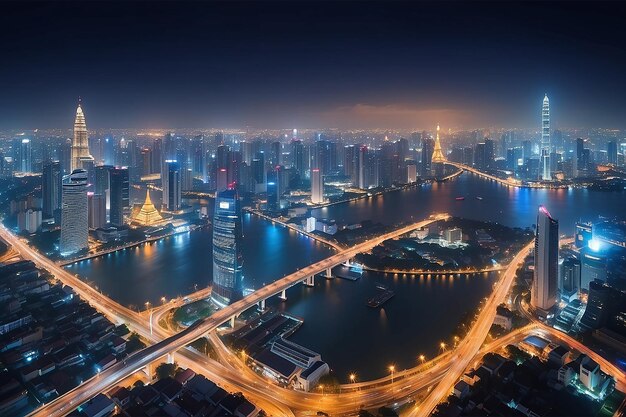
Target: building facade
<point>74,216</point>
<point>545,280</point>
<point>227,257</point>
<point>80,143</point>
<point>546,174</point>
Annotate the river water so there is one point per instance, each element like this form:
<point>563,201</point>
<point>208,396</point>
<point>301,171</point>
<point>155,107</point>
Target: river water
<point>350,336</point>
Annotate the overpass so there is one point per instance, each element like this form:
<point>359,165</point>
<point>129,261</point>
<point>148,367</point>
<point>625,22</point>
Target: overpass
<point>109,377</point>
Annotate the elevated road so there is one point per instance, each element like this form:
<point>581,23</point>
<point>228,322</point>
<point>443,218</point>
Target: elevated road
<point>470,346</point>
<point>121,370</point>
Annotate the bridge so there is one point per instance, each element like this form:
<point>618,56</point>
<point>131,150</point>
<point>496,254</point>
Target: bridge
<point>511,182</point>
<point>109,377</point>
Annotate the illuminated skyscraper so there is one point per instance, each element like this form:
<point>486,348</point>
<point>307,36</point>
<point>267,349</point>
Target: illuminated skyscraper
<point>26,162</point>
<point>119,198</point>
<point>51,190</point>
<point>80,144</point>
<point>171,186</point>
<point>227,258</point>
<point>97,209</point>
<point>317,186</point>
<point>545,279</point>
<point>74,216</point>
<point>546,175</point>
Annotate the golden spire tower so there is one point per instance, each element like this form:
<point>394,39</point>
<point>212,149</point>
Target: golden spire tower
<point>80,143</point>
<point>437,152</point>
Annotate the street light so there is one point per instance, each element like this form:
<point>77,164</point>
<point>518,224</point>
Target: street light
<point>442,345</point>
<point>422,358</point>
<point>392,368</point>
<point>352,378</point>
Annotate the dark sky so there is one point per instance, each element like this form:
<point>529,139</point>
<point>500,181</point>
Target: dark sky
<point>300,64</point>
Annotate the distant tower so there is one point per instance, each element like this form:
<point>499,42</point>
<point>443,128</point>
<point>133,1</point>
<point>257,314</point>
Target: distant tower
<point>80,144</point>
<point>74,216</point>
<point>438,157</point>
<point>227,257</point>
<point>545,140</point>
<point>545,279</point>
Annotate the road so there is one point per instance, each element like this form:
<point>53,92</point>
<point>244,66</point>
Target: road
<point>110,376</point>
<point>278,401</point>
<point>470,345</point>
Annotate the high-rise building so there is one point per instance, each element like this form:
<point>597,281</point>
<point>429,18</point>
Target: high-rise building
<point>411,173</point>
<point>227,257</point>
<point>317,186</point>
<point>297,157</point>
<point>51,190</point>
<point>97,210</point>
<point>74,217</point>
<point>26,162</point>
<point>119,198</point>
<point>584,234</point>
<point>611,150</point>
<point>350,163</point>
<point>428,147</point>
<point>570,277</point>
<point>546,175</point>
<point>80,144</point>
<point>545,279</point>
<point>29,220</point>
<point>593,267</point>
<point>171,186</point>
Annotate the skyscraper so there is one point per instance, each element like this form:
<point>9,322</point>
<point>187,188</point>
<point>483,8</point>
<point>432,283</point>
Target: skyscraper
<point>80,144</point>
<point>546,175</point>
<point>428,147</point>
<point>97,210</point>
<point>119,195</point>
<point>297,157</point>
<point>227,258</point>
<point>545,275</point>
<point>26,162</point>
<point>51,190</point>
<point>74,217</point>
<point>611,150</point>
<point>171,186</point>
<point>317,186</point>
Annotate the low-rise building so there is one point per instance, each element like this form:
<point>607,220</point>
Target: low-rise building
<point>309,377</point>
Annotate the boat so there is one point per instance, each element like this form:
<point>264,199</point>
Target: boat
<point>460,198</point>
<point>479,198</point>
<point>380,299</point>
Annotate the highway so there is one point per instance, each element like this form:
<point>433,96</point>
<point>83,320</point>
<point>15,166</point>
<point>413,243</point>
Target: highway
<point>110,376</point>
<point>470,346</point>
<point>408,384</point>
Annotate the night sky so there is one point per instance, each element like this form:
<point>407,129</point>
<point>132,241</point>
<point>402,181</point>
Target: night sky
<point>299,64</point>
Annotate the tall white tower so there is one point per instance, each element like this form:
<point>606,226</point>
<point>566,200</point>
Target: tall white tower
<point>546,175</point>
<point>74,213</point>
<point>545,275</point>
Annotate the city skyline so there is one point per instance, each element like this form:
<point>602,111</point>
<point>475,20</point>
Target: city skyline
<point>294,208</point>
<point>370,67</point>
